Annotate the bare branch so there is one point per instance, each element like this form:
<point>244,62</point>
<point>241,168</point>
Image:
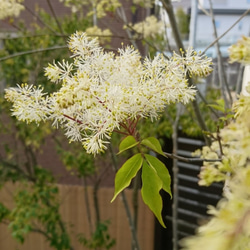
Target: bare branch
<point>55,17</point>
<point>219,37</point>
<point>191,159</point>
<point>39,19</point>
<point>32,52</point>
<point>221,70</point>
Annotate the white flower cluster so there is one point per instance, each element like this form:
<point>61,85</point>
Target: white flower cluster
<point>101,91</point>
<point>144,3</point>
<point>149,28</point>
<point>10,8</point>
<point>229,227</point>
<point>98,7</point>
<point>240,52</point>
<point>102,35</point>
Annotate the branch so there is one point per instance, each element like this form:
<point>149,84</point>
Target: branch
<point>39,19</point>
<point>122,16</point>
<point>216,40</point>
<point>17,169</point>
<point>32,52</point>
<point>169,8</point>
<point>55,17</point>
<point>185,159</point>
<point>221,69</point>
<point>207,104</point>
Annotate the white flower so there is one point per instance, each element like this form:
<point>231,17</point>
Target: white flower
<point>149,28</point>
<point>29,103</point>
<point>58,72</point>
<point>10,8</point>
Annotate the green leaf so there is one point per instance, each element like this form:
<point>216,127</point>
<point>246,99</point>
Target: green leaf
<point>220,106</point>
<point>217,107</point>
<point>126,173</point>
<point>151,186</point>
<point>153,144</point>
<point>127,142</point>
<point>161,171</point>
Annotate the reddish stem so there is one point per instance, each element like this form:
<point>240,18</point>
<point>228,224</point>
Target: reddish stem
<point>73,119</point>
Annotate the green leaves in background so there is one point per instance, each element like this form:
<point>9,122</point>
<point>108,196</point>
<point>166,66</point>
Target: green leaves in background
<point>155,175</point>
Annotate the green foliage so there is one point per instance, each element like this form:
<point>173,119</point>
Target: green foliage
<point>182,22</point>
<point>36,209</point>
<point>188,121</point>
<point>4,212</point>
<point>155,175</point>
<point>76,160</point>
<point>100,239</point>
<point>226,114</point>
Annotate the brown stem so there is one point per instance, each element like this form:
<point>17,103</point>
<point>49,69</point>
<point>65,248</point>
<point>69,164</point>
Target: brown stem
<point>169,8</point>
<point>55,17</point>
<point>39,19</point>
<point>136,186</point>
<point>222,35</point>
<point>221,69</point>
<point>96,201</point>
<point>219,141</point>
<point>4,58</point>
<point>86,197</point>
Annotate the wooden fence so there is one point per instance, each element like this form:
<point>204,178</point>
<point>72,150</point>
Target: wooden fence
<point>74,213</point>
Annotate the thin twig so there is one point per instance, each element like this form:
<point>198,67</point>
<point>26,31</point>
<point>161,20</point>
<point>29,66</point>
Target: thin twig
<point>55,17</point>
<point>39,19</point>
<point>32,52</point>
<point>122,16</point>
<point>221,69</point>
<point>222,35</point>
<point>185,159</point>
<point>169,8</point>
<point>207,104</point>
